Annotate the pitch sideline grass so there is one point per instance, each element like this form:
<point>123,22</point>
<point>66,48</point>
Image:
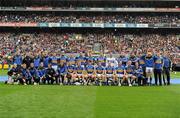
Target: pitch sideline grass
<point>89,102</point>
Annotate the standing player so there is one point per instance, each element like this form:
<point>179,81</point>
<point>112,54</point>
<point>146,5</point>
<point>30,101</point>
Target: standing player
<point>54,61</point>
<point>102,60</point>
<point>149,62</point>
<point>166,68</point>
<point>158,69</point>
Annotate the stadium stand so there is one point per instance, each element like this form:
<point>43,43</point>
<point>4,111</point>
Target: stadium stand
<point>34,28</point>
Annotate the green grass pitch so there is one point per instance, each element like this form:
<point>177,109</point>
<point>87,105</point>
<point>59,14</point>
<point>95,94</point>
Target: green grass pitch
<point>47,101</point>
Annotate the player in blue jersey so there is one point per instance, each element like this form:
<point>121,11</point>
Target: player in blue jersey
<point>79,74</point>
<point>166,68</point>
<point>62,71</point>
<point>54,61</point>
<point>26,76</point>
<point>149,60</point>
<point>46,60</point>
<point>141,63</point>
<point>70,72</point>
<point>140,76</point>
<point>110,74</point>
<point>158,66</point>
<point>37,60</point>
<point>71,60</point>
<point>34,75</point>
<point>133,59</point>
<point>100,73</point>
<point>41,72</point>
<point>130,77</point>
<point>120,73</point>
<point>90,73</point>
<point>102,60</point>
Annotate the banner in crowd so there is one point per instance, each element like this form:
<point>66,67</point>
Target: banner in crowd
<point>21,24</point>
<point>91,25</point>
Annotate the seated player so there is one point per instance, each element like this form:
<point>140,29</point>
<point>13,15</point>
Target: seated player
<point>62,70</point>
<point>50,75</point>
<point>16,74</point>
<point>100,73</point>
<point>120,73</point>
<point>41,72</point>
<point>79,76</point>
<point>70,73</point>
<point>34,75</point>
<point>129,74</point>
<point>110,74</point>
<point>140,76</point>
<point>12,74</point>
<point>90,76</point>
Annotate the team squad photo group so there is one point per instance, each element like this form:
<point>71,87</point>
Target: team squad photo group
<point>150,68</point>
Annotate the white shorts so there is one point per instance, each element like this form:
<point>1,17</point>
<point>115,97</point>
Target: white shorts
<point>109,75</point>
<point>90,74</point>
<point>99,75</point>
<point>129,75</point>
<point>79,74</point>
<point>120,75</point>
<point>149,70</point>
<point>55,67</point>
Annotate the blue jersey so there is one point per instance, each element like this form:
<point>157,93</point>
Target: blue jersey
<point>26,74</point>
<point>124,60</point>
<point>166,62</point>
<point>120,69</point>
<point>90,69</point>
<point>139,72</point>
<point>70,69</point>
<point>80,69</point>
<point>54,60</point>
<point>37,61</point>
<point>134,60</point>
<point>102,60</point>
<point>109,70</point>
<point>129,69</point>
<point>141,62</point>
<point>149,61</point>
<point>99,69</point>
<point>46,61</point>
<point>71,60</point>
<point>63,58</point>
<point>33,72</point>
<point>18,60</point>
<point>41,72</point>
<point>158,63</point>
<point>81,59</point>
<point>62,69</point>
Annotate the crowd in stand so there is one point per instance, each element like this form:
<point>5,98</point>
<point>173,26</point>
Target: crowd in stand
<point>109,42</point>
<point>90,18</point>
